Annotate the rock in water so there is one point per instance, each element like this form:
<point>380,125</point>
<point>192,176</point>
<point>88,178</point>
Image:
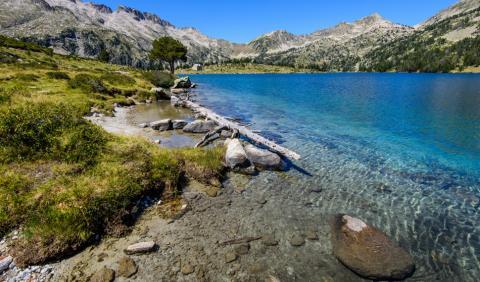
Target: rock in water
<point>5,263</point>
<point>138,248</point>
<point>368,251</point>
<point>127,267</point>
<point>103,275</point>
<point>264,159</point>
<point>161,125</point>
<point>183,82</point>
<point>178,124</point>
<point>235,156</point>
<point>200,126</point>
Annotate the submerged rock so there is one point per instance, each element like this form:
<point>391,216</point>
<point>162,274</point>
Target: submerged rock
<point>179,124</point>
<point>200,126</point>
<point>162,125</point>
<point>183,82</point>
<point>297,240</point>
<point>235,157</point>
<point>127,267</point>
<point>368,252</point>
<point>139,248</point>
<point>264,159</point>
<point>103,275</point>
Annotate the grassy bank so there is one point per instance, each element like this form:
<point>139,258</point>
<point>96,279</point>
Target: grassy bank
<point>64,180</point>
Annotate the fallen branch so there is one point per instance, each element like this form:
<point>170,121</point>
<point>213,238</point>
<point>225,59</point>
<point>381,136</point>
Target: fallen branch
<point>211,136</point>
<point>242,130</point>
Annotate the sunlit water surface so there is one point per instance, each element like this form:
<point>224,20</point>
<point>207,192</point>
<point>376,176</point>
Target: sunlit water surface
<point>401,151</point>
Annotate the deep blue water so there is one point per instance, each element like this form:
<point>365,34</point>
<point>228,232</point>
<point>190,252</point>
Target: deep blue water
<point>406,144</point>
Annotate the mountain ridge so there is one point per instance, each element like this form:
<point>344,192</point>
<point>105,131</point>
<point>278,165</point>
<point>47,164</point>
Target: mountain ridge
<point>85,29</point>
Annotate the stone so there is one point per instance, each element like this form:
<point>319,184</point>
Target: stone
<point>269,240</point>
<point>179,91</point>
<point>140,248</point>
<point>200,126</point>
<point>230,257</point>
<point>5,263</point>
<point>160,93</point>
<point>368,251</point>
<point>312,235</point>
<point>264,159</point>
<point>103,275</point>
<point>182,82</point>
<point>162,125</point>
<point>176,102</point>
<point>187,269</point>
<point>127,267</point>
<point>242,249</point>
<point>261,200</point>
<point>143,125</point>
<point>179,124</point>
<point>157,141</point>
<point>297,240</point>
<point>235,156</point>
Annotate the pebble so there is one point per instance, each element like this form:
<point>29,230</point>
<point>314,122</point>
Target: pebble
<point>312,235</point>
<point>187,269</point>
<point>138,248</point>
<point>157,141</point>
<point>261,200</point>
<point>297,240</point>
<point>242,249</point>
<point>316,190</point>
<point>269,240</point>
<point>230,257</point>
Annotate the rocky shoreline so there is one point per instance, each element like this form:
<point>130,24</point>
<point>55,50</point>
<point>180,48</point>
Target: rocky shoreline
<point>269,233</point>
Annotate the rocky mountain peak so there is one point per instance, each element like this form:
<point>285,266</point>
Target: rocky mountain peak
<point>101,8</point>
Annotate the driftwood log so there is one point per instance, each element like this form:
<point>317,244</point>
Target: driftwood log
<point>211,136</point>
<point>235,127</point>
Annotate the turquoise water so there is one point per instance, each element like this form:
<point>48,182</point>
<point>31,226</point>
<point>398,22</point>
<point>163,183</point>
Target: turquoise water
<point>401,151</point>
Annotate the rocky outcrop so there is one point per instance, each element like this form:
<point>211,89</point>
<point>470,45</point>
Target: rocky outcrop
<point>182,83</point>
<point>264,159</point>
<point>162,125</point>
<point>367,251</point>
<point>235,157</point>
<point>200,126</point>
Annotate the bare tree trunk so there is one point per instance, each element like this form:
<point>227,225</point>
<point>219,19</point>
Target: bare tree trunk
<point>172,66</point>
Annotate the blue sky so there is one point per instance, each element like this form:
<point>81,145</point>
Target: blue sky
<point>243,20</point>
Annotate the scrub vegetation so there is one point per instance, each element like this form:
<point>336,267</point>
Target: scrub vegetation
<point>65,182</point>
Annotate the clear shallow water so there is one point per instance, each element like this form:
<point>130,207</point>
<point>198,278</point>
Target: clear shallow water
<point>401,151</point>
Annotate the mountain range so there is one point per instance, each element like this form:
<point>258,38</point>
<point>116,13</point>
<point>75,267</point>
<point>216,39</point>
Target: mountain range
<point>371,43</point>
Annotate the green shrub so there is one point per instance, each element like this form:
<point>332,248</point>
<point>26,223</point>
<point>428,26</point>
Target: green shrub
<point>58,75</point>
<point>160,78</point>
<point>18,44</point>
<point>27,77</point>
<point>87,83</point>
<point>118,79</point>
<point>82,144</point>
<point>29,131</point>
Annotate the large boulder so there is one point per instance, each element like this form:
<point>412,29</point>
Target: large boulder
<point>200,126</point>
<point>182,82</point>
<point>179,123</point>
<point>264,159</point>
<point>162,125</point>
<point>5,263</point>
<point>368,251</point>
<point>160,93</point>
<point>235,157</point>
